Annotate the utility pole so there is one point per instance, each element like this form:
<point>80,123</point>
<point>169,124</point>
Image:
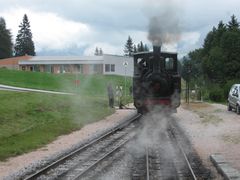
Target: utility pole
<point>125,81</point>
<point>189,69</point>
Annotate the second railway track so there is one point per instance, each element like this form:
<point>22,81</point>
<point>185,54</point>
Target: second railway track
<point>76,164</point>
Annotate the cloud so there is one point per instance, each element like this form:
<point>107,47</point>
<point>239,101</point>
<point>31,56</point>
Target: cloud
<point>61,24</point>
<point>115,45</point>
<point>49,30</point>
<point>106,47</point>
<point>190,37</point>
<point>189,41</point>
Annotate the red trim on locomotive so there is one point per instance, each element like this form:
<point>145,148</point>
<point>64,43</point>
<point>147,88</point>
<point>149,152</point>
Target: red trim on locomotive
<point>166,102</point>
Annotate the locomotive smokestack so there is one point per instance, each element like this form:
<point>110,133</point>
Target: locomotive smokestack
<point>156,49</point>
<point>157,62</point>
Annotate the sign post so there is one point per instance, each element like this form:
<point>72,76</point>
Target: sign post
<point>125,64</point>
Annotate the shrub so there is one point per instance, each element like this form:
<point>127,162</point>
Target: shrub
<point>216,94</point>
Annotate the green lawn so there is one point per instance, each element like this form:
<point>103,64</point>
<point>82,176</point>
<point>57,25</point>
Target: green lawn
<point>31,120</point>
<point>94,85</point>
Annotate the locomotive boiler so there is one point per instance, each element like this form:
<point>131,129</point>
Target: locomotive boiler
<point>156,81</point>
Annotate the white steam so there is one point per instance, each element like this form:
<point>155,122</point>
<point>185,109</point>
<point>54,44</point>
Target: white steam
<point>154,136</point>
<point>155,124</point>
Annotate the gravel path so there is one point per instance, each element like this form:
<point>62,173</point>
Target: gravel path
<point>17,166</point>
<point>212,129</point>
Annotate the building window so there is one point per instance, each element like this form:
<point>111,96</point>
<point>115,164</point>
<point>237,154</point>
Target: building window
<point>36,68</point>
<point>109,67</point>
<point>77,68</point>
<point>112,67</point>
<point>97,69</point>
<point>48,68</point>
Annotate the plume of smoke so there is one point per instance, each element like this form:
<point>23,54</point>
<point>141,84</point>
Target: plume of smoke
<point>164,22</point>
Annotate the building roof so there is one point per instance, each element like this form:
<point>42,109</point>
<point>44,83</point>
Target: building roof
<point>68,59</point>
<point>63,60</point>
<point>14,60</point>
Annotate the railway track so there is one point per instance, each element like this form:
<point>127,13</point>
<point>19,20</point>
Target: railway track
<point>168,158</point>
<point>78,163</point>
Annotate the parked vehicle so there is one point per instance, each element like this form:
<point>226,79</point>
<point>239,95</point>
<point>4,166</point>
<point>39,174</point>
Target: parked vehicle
<point>234,98</point>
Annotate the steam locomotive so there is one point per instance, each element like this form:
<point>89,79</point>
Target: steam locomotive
<point>156,81</point>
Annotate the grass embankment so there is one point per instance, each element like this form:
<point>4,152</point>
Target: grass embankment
<point>31,120</point>
<point>94,85</point>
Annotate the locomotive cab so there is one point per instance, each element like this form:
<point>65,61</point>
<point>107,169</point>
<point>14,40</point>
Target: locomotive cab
<point>156,80</point>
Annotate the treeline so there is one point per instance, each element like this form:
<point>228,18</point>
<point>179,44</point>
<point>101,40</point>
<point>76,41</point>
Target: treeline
<point>23,44</point>
<point>216,66</point>
<point>130,48</point>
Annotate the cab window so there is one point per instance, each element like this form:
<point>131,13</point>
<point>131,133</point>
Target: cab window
<point>169,63</point>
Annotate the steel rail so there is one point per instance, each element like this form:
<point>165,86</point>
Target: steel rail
<point>76,165</point>
<point>185,156</point>
<point>62,159</point>
<point>101,159</point>
<point>147,163</point>
<point>188,163</point>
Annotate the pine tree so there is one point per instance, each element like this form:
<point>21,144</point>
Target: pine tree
<point>24,43</point>
<point>100,52</point>
<point>146,48</point>
<point>96,52</point>
<point>5,40</point>
<point>128,50</point>
<point>140,47</point>
<point>233,24</point>
<point>134,49</point>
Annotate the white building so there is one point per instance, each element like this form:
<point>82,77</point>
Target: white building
<point>104,64</point>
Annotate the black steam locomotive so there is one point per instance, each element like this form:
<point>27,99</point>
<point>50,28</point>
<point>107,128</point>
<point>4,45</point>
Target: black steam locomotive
<point>156,81</point>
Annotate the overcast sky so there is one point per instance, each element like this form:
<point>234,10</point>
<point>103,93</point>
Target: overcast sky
<point>77,27</point>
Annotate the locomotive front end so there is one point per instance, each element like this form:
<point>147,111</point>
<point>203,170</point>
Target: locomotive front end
<point>156,80</point>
